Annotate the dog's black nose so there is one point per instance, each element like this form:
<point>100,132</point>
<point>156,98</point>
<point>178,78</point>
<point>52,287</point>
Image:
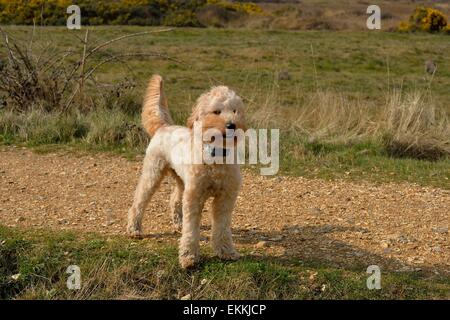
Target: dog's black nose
<point>231,126</point>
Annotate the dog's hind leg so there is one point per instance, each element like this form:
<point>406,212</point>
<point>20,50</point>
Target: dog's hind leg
<point>176,201</point>
<point>222,241</point>
<point>152,174</point>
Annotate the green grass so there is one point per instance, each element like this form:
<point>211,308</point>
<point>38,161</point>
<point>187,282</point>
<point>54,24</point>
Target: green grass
<point>363,161</point>
<point>117,267</point>
<point>353,63</point>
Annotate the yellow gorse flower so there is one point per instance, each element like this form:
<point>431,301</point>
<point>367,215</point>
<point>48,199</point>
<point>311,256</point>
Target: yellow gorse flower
<point>425,19</point>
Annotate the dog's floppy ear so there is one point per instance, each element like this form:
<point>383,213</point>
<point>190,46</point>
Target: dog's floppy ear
<point>195,115</point>
<point>191,120</point>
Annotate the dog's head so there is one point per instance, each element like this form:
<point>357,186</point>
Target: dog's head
<point>221,109</point>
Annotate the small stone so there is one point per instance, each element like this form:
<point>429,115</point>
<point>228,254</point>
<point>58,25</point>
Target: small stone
<point>262,244</point>
<point>405,269</point>
<point>441,230</point>
<point>16,276</point>
<point>20,219</point>
<point>312,275</point>
<point>160,273</point>
<point>404,239</point>
<point>276,239</point>
<point>384,244</point>
<point>436,249</point>
<point>186,297</point>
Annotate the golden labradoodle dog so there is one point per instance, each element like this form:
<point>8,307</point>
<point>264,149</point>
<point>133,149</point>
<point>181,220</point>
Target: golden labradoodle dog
<point>171,152</point>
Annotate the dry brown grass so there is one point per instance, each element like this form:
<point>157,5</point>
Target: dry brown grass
<point>415,128</point>
<point>407,124</point>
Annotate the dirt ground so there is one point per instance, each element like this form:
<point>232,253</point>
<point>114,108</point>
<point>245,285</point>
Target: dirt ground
<point>402,227</point>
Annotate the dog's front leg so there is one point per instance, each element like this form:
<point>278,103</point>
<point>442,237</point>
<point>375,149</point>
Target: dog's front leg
<point>222,208</point>
<point>193,202</point>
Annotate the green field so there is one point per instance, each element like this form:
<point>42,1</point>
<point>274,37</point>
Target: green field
<point>357,64</point>
<point>331,109</point>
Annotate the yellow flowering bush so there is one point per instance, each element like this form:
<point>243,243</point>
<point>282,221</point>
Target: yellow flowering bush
<point>447,29</point>
<point>139,12</point>
<point>404,26</point>
<point>425,19</point>
<point>248,7</point>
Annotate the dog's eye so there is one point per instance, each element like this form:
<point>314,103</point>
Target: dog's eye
<point>217,112</point>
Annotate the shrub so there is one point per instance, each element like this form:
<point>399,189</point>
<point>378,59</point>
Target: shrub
<point>218,13</point>
<point>58,84</point>
<point>404,26</point>
<point>248,7</point>
<point>447,29</point>
<point>415,129</point>
<point>425,19</point>
<point>217,16</point>
<point>141,12</point>
<point>182,18</point>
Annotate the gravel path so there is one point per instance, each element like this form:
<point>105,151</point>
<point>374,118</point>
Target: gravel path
<point>400,227</point>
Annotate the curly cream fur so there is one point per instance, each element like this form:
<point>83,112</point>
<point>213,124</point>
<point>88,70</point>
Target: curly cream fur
<point>194,183</point>
<point>155,112</point>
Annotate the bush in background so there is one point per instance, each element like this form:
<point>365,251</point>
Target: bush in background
<point>115,12</point>
<point>425,19</point>
<point>179,13</point>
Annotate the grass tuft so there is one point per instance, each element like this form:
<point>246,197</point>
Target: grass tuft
<point>415,128</point>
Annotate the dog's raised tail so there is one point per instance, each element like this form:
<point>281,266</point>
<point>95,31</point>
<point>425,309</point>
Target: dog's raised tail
<point>155,112</point>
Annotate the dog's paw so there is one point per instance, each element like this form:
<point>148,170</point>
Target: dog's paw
<point>134,233</point>
<point>188,261</point>
<point>229,255</point>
